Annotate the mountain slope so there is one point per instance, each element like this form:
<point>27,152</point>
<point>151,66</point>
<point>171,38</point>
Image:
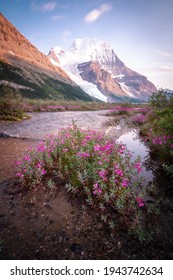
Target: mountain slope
<point>96,62</point>
<point>24,67</point>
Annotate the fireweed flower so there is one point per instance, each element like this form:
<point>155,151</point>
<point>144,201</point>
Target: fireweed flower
<point>138,166</point>
<point>140,201</point>
<point>96,189</point>
<point>41,148</point>
<point>125,183</point>
<point>43,172</point>
<point>64,150</point>
<point>122,149</point>
<point>83,154</point>
<point>97,148</point>
<point>119,172</point>
<point>19,174</point>
<point>27,158</point>
<point>103,173</point>
<point>38,165</point>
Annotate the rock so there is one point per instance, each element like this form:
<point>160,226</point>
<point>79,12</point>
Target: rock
<point>4,135</point>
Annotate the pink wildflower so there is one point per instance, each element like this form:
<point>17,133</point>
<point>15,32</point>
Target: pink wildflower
<point>18,162</point>
<point>107,147</point>
<point>96,189</point>
<point>88,137</point>
<point>138,166</point>
<point>102,173</point>
<point>27,158</point>
<point>19,174</point>
<point>122,149</point>
<point>41,148</point>
<point>38,165</point>
<point>119,172</point>
<point>140,202</point>
<point>83,154</point>
<point>124,183</point>
<point>97,147</point>
<point>43,172</point>
<point>64,150</point>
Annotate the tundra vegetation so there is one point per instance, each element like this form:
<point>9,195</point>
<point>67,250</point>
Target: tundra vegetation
<point>14,107</point>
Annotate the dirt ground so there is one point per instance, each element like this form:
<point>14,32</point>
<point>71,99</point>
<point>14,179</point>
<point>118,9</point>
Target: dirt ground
<point>50,224</point>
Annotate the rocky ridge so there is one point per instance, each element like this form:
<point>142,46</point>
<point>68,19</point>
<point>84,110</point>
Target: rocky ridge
<point>23,64</point>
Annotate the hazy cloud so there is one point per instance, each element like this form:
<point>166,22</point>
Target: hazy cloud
<point>167,68</point>
<point>96,13</point>
<point>66,34</point>
<point>163,53</point>
<point>164,68</point>
<point>45,6</point>
<point>57,17</point>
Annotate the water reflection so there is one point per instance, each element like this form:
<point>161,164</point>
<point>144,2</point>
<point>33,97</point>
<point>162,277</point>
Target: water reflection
<point>138,148</point>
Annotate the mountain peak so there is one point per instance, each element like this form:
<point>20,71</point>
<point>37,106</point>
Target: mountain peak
<point>96,62</point>
<point>94,49</point>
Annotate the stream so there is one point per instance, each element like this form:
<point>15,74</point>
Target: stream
<point>17,136</point>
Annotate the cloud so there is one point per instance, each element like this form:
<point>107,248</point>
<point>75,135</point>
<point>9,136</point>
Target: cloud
<point>66,34</point>
<point>166,68</point>
<point>46,6</point>
<point>163,53</point>
<point>96,13</point>
<point>57,17</point>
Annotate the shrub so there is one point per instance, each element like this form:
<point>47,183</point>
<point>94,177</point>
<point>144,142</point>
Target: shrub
<point>95,167</point>
<point>10,105</point>
<point>139,120</point>
<point>158,99</point>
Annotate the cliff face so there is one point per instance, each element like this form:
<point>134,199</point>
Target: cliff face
<point>23,64</point>
<point>15,48</point>
<point>92,72</point>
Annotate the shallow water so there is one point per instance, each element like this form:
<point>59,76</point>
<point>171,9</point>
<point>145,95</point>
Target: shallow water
<point>44,123</point>
<point>138,148</point>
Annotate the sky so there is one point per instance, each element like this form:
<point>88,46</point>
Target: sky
<point>139,31</point>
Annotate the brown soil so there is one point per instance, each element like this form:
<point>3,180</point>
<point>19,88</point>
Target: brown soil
<point>52,224</point>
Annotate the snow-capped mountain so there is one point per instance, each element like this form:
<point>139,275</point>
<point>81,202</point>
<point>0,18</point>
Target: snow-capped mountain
<point>94,66</point>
